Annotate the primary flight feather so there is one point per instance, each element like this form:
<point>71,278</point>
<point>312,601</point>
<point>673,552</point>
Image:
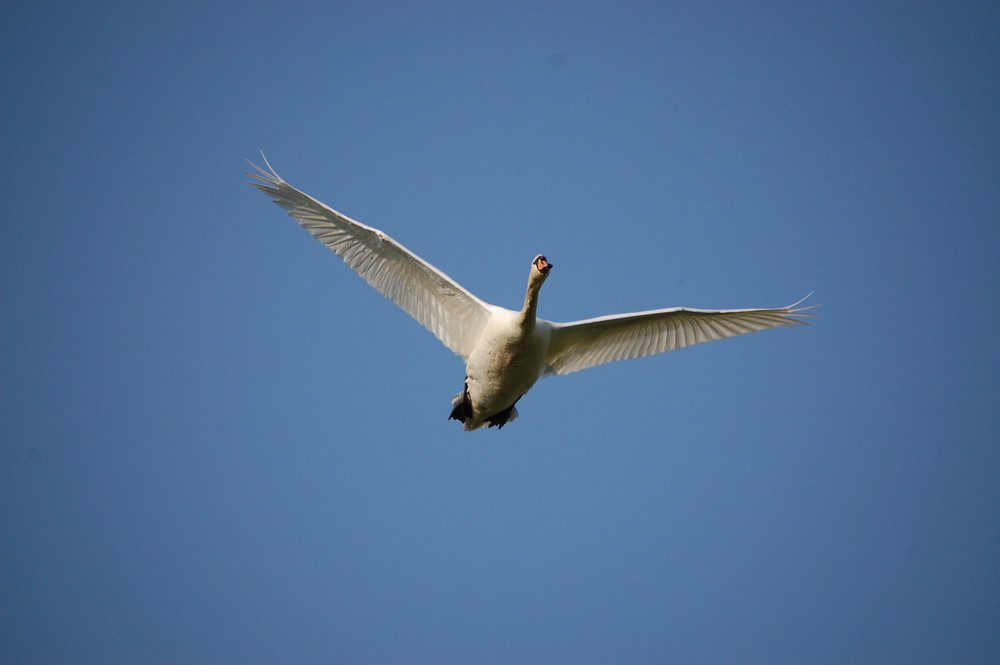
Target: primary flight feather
<point>505,351</point>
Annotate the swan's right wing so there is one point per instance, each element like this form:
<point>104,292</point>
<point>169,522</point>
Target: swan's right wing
<point>582,344</point>
<point>435,300</point>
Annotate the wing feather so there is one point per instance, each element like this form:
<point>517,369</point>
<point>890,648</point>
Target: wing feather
<point>439,303</point>
<point>582,344</point>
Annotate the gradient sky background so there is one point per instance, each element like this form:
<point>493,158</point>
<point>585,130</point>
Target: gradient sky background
<point>220,446</point>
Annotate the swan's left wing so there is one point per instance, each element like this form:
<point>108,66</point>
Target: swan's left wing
<point>582,344</point>
<point>435,300</point>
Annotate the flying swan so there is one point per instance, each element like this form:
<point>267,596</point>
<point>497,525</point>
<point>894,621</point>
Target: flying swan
<point>505,351</point>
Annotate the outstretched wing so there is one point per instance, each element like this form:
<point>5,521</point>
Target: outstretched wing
<point>582,344</point>
<point>435,300</point>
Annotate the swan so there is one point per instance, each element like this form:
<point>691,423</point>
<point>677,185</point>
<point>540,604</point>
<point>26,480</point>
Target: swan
<point>505,351</point>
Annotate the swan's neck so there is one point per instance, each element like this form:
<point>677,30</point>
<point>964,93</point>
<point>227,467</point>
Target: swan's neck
<point>530,309</point>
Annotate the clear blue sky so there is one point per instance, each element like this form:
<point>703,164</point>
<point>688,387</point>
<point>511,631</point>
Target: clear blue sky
<point>219,446</point>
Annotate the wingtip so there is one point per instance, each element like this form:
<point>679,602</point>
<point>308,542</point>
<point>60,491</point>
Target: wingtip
<point>268,165</point>
<point>268,176</point>
<point>795,310</point>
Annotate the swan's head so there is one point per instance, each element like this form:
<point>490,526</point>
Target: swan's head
<point>541,264</point>
<point>540,268</point>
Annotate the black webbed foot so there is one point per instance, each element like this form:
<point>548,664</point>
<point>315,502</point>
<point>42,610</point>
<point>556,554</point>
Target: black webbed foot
<point>504,417</point>
<point>461,406</point>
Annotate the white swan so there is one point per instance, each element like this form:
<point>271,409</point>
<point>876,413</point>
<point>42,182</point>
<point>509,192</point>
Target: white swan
<point>505,351</point>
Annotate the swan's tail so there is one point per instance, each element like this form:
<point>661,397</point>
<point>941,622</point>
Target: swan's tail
<point>461,410</point>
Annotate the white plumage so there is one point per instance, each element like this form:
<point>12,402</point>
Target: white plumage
<point>505,351</point>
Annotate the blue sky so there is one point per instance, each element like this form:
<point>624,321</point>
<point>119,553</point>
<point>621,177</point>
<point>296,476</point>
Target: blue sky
<point>220,446</point>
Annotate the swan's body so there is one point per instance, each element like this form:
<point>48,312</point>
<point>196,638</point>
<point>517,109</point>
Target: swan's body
<point>505,351</point>
<point>508,358</point>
